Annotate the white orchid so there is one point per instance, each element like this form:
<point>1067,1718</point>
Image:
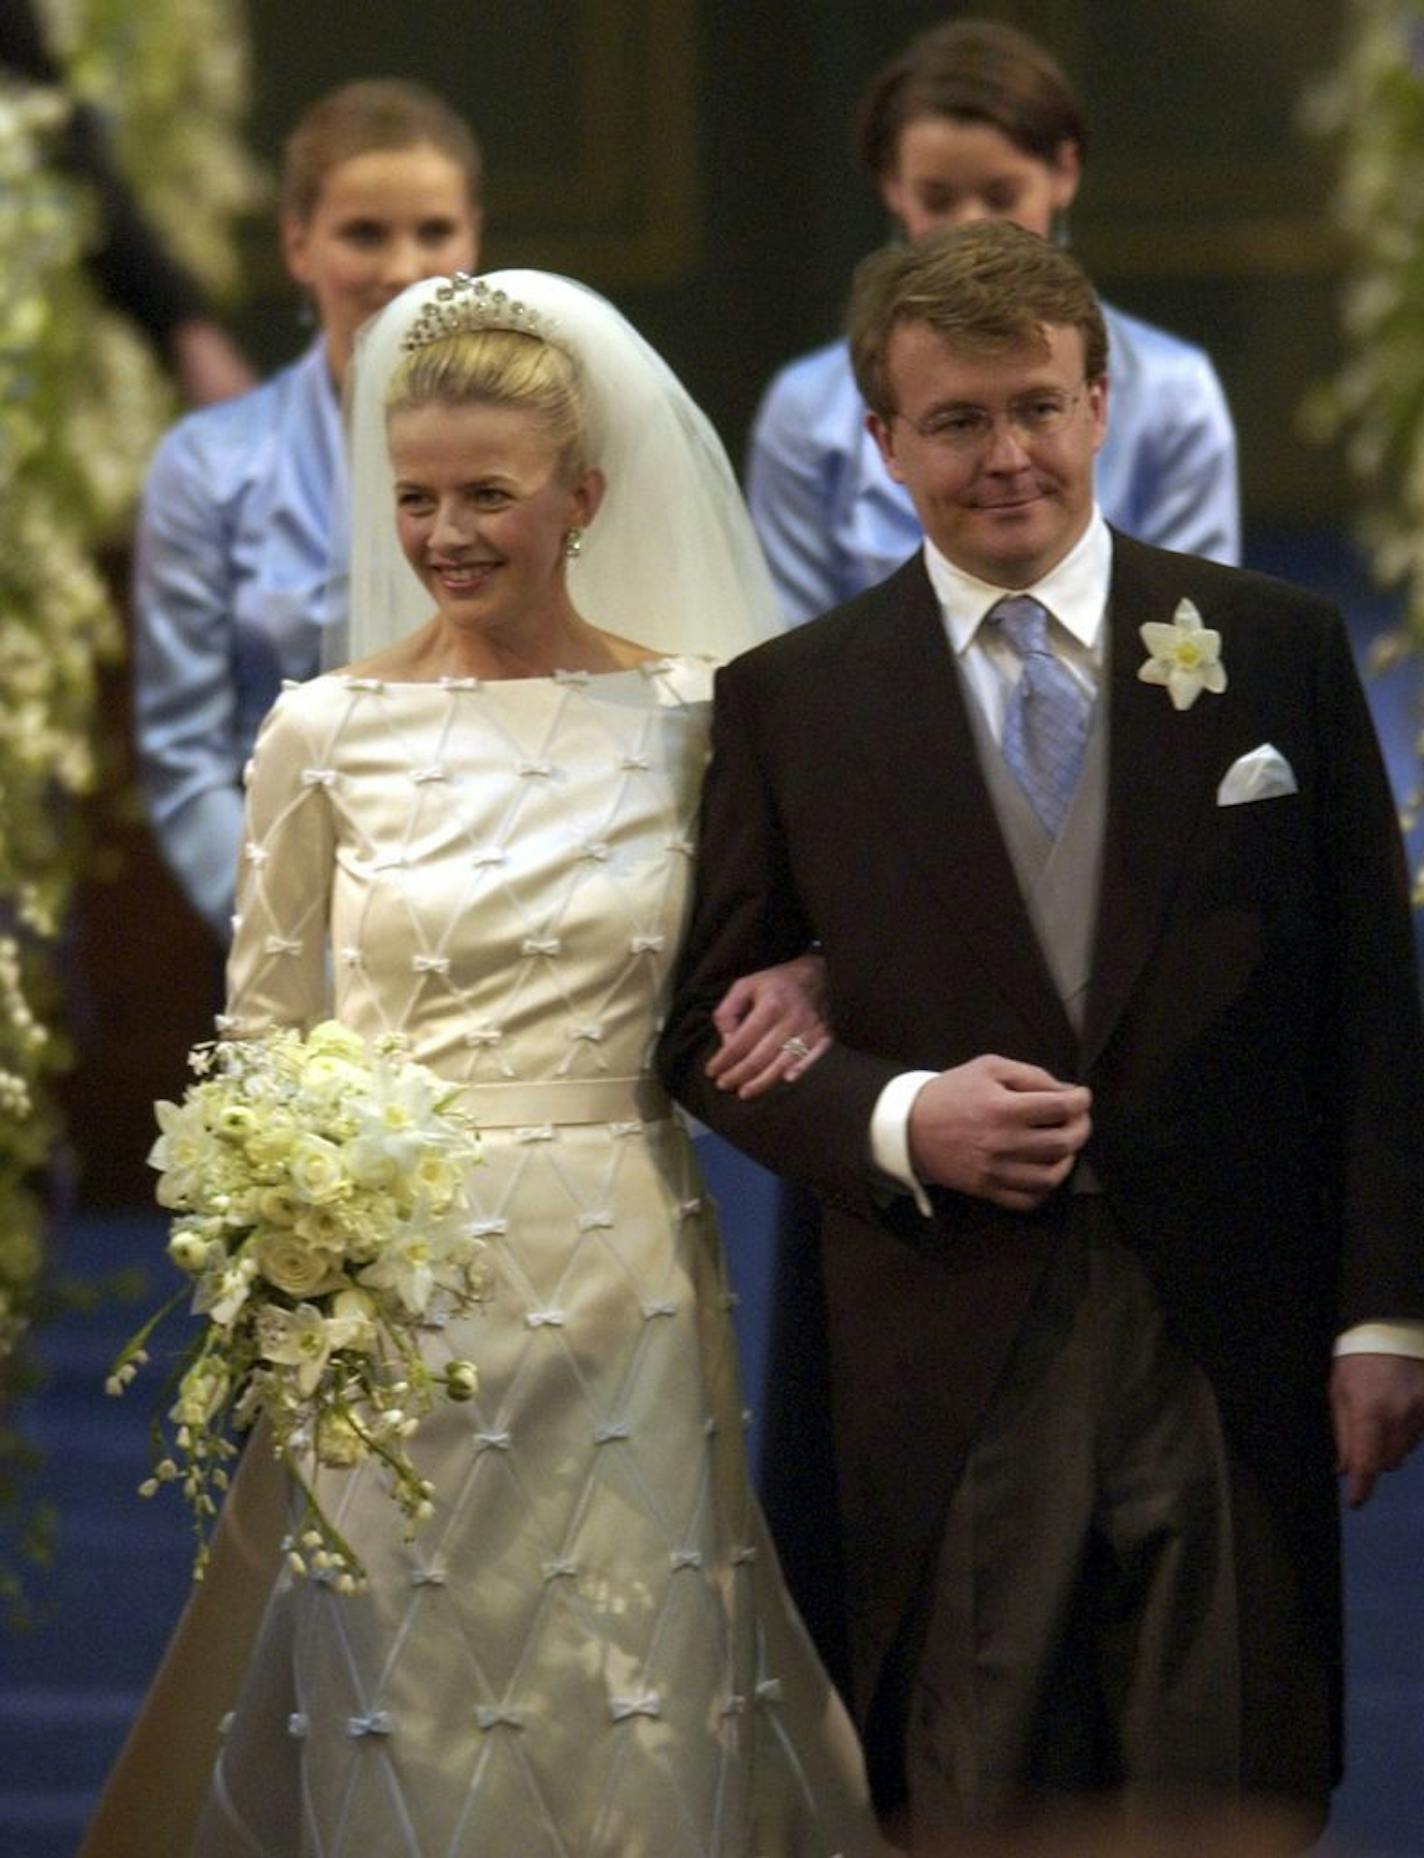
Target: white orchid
<point>301,1338</point>
<point>421,1258</point>
<point>1185,656</point>
<point>223,1292</point>
<point>185,1151</point>
<point>438,1180</point>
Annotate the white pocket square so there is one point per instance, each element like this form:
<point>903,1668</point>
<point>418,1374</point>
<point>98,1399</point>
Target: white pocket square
<point>1264,774</point>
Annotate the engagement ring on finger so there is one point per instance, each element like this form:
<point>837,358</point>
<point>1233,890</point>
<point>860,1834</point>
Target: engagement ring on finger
<point>796,1047</point>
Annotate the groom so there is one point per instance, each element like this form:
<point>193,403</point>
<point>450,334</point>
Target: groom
<point>1119,1142</point>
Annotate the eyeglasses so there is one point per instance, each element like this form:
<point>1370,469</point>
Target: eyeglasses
<point>966,430</point>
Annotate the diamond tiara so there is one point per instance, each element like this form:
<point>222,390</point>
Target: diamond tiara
<point>463,304</point>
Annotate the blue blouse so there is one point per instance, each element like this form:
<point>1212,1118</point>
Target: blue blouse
<point>241,522</point>
<point>833,521</point>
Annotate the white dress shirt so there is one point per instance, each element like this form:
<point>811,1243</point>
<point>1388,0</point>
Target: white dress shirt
<point>1075,594</point>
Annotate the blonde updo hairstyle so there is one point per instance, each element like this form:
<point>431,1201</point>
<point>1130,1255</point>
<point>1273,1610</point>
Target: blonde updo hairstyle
<point>500,367</point>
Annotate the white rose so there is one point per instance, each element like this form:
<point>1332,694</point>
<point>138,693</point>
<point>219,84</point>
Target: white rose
<point>325,1227</point>
<point>276,1206</point>
<point>317,1172</point>
<point>287,1261</point>
<point>270,1144</point>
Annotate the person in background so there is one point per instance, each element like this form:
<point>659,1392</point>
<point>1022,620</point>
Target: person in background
<point>974,120</point>
<point>243,513</point>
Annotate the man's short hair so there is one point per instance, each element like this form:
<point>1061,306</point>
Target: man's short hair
<point>989,287</point>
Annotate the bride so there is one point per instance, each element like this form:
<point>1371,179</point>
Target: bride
<point>483,827</point>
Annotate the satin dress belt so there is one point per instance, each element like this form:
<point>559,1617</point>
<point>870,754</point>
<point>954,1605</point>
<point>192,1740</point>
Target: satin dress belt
<point>566,1100</point>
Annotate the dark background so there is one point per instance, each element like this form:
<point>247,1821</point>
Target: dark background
<point>693,159</point>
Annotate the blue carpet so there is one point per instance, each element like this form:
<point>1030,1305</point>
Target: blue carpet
<point>69,1687</point>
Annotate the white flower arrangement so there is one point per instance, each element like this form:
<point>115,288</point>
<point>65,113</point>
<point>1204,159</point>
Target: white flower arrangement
<point>321,1217</point>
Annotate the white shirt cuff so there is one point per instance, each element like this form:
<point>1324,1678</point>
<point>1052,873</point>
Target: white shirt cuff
<point>890,1132</point>
<point>1402,1338</point>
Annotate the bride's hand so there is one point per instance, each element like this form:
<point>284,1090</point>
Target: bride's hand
<point>773,1027</point>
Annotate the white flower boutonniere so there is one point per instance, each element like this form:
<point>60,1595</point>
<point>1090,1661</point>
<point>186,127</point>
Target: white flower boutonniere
<point>1185,656</point>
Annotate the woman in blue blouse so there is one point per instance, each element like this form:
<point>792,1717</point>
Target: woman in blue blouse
<point>240,535</point>
<point>974,120</point>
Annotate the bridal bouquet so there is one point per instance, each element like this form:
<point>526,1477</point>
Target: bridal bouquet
<point>319,1201</point>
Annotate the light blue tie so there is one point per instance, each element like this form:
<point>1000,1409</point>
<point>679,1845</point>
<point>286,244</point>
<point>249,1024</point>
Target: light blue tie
<point>1046,715</point>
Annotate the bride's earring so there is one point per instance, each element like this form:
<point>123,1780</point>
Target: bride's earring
<point>573,544</point>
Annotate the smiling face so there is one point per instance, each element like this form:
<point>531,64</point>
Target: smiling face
<point>484,505</point>
<point>1010,507</point>
<point>950,171</point>
<point>382,220</point>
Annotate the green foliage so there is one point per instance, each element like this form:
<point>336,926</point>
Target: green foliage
<point>82,404</point>
<point>172,76</point>
<point>1372,108</point>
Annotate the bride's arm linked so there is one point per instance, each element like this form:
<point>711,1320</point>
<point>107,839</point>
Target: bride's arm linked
<point>277,970</point>
<point>773,1026</point>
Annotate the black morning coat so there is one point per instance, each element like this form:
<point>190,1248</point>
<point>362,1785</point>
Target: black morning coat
<point>1252,1042</point>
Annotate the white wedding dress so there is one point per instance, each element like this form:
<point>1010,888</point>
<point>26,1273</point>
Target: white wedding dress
<point>588,1652</point>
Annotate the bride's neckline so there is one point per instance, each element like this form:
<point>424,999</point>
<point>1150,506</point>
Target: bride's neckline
<point>645,667</point>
